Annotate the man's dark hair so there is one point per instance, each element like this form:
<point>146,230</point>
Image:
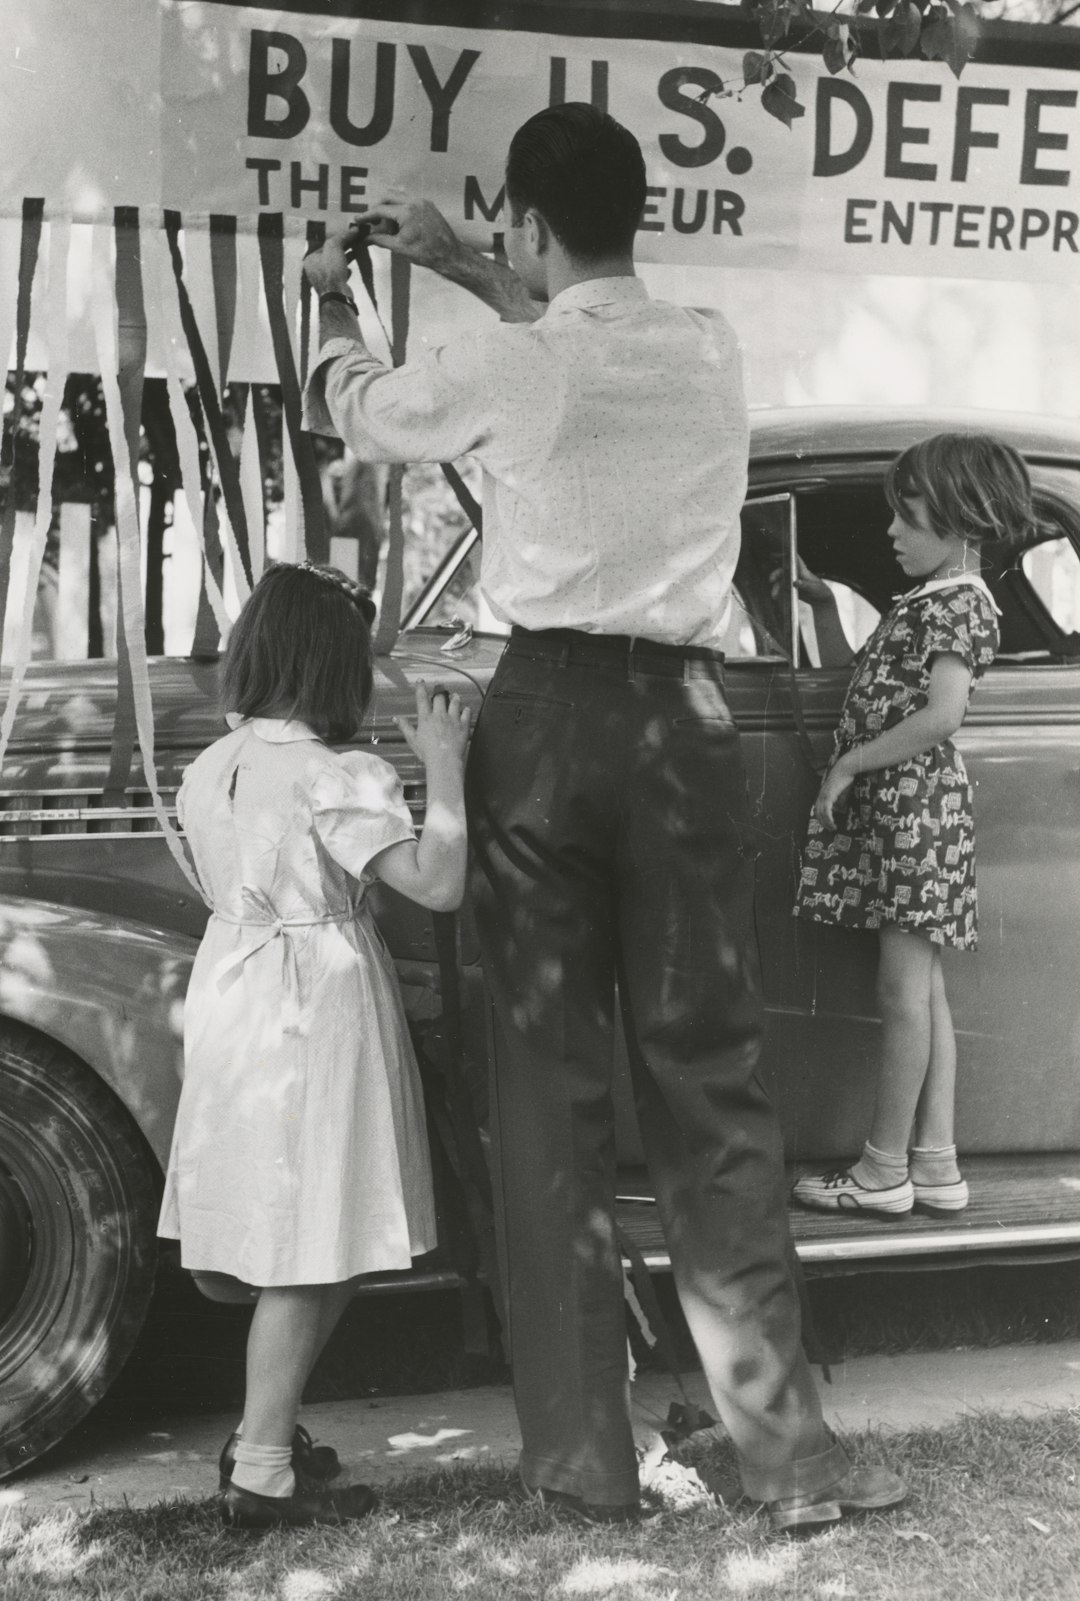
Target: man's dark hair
<point>301,648</point>
<point>585,175</point>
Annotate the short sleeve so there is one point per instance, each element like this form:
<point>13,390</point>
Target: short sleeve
<point>358,809</point>
<point>961,624</point>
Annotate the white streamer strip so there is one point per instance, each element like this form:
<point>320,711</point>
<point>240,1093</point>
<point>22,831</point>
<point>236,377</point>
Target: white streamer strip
<point>294,250</point>
<point>162,303</point>
<point>128,540</point>
<point>56,333</point>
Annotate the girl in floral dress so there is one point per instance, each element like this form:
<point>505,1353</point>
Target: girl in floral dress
<point>891,844</point>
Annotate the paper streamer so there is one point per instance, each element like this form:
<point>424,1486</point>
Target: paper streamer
<point>129,564</point>
<point>272,252</point>
<point>223,270</point>
<point>33,211</point>
<point>166,322</point>
<point>227,469</point>
<point>56,335</point>
<point>465,498</point>
<point>394,579</point>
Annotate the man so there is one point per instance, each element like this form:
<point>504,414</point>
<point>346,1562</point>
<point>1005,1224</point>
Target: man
<point>607,809</point>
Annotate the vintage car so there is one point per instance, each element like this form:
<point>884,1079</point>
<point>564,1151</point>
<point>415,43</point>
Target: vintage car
<point>98,928</point>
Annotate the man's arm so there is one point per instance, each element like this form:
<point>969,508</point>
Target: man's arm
<point>417,229</point>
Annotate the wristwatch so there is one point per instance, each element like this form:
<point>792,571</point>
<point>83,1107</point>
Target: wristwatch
<point>339,295</point>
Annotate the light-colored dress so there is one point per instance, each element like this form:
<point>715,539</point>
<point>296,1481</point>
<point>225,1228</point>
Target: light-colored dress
<point>300,1154</point>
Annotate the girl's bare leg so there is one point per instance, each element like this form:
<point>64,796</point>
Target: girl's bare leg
<point>935,1115</point>
<point>336,1298</point>
<point>905,968</point>
<point>282,1344</point>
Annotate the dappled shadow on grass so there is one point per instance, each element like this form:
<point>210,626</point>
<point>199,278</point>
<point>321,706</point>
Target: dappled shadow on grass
<point>994,1512</point>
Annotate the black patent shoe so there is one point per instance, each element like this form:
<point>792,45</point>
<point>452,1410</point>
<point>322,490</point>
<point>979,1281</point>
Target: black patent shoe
<point>243,1509</point>
<point>315,1464</point>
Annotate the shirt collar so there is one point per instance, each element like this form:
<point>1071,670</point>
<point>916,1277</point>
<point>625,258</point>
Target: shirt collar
<point>274,730</point>
<point>593,292</point>
<point>934,584</point>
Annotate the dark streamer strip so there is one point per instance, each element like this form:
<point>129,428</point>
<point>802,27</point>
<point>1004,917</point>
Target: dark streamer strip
<point>32,213</point>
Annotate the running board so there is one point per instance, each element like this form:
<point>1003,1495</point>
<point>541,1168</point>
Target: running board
<point>1022,1207</point>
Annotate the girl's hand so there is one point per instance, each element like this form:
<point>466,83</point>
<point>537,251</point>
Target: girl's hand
<point>835,785</point>
<point>441,730</point>
<point>808,585</point>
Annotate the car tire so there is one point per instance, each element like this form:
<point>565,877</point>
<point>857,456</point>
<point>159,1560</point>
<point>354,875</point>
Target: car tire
<point>78,1206</point>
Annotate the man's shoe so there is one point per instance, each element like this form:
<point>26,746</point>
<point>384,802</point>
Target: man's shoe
<point>586,1511</point>
<point>860,1490</point>
<point>839,1191</point>
<point>315,1464</point>
<point>941,1200</point>
<point>243,1509</point>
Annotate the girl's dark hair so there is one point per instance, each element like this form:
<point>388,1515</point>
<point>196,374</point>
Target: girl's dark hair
<point>974,485</point>
<point>584,173</point>
<point>301,648</point>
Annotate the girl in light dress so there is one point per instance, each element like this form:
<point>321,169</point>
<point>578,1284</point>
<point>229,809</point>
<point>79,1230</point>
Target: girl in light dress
<point>891,844</point>
<point>299,1158</point>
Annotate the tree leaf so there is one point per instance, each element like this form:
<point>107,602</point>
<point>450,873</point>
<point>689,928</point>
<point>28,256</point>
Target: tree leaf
<point>952,39</point>
<point>752,63</point>
<point>834,55</point>
<point>780,99</point>
<point>900,34</point>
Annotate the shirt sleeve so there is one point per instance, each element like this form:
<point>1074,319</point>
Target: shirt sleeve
<point>358,808</point>
<point>432,409</point>
<point>961,625</point>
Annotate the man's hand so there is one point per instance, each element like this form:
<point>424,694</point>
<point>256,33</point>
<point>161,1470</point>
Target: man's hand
<point>327,268</point>
<point>416,229</point>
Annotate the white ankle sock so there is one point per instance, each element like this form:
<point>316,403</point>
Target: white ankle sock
<point>264,1469</point>
<point>879,1170</point>
<point>934,1164</point>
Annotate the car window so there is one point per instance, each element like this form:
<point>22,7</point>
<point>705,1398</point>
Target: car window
<point>1052,568</point>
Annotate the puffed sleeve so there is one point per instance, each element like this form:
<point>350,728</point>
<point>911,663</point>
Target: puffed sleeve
<point>961,624</point>
<point>358,809</point>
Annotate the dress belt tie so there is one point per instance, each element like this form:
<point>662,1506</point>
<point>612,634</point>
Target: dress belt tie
<point>271,927</point>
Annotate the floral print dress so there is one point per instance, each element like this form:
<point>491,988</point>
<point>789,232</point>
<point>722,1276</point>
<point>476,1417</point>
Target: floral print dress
<point>903,852</point>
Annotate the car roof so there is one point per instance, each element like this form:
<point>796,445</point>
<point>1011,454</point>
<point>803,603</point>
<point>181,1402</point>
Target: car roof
<point>837,432</point>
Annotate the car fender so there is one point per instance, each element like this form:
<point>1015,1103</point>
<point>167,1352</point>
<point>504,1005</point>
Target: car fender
<point>111,990</point>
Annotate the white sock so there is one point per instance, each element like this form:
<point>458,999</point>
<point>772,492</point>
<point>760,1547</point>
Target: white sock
<point>934,1164</point>
<point>264,1469</point>
<point>879,1170</point>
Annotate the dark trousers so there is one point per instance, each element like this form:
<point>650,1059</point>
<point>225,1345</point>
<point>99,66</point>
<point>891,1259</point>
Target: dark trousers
<point>607,811</point>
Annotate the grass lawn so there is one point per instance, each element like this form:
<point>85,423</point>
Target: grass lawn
<point>994,1515</point>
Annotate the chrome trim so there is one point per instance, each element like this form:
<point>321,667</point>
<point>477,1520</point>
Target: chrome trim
<point>899,1243</point>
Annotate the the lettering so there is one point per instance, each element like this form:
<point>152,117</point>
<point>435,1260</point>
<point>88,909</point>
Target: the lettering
<point>975,227</point>
<point>265,84</point>
<point>830,163</point>
<point>598,83</point>
<point>264,167</point>
<point>967,137</point>
<point>353,188</point>
<point>441,95</point>
<point>650,217</point>
<point>474,201</point>
<point>379,123</point>
<point>899,133</point>
<point>967,219</point>
<point>852,221</point>
<point>670,90</point>
<point>679,220</point>
<point>1035,139</point>
<point>299,186</point>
